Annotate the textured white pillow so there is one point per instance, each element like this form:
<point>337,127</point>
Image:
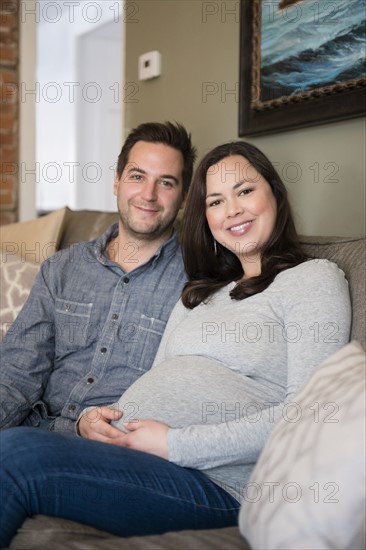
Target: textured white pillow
<point>307,490</point>
<point>16,280</point>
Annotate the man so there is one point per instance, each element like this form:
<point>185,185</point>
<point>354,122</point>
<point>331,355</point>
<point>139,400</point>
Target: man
<point>97,311</point>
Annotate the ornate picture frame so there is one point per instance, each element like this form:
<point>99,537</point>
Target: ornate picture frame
<point>302,107</point>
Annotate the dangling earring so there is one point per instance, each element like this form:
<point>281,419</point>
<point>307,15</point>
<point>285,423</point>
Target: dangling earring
<point>215,247</point>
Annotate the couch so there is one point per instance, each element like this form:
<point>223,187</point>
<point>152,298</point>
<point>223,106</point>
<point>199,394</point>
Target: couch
<point>25,245</point>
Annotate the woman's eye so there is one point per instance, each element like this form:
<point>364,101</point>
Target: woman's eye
<point>214,203</point>
<point>246,191</point>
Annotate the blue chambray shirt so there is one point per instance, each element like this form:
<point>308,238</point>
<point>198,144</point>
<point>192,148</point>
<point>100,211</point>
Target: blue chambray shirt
<point>86,333</point>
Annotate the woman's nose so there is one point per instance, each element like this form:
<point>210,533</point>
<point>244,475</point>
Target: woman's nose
<point>234,208</point>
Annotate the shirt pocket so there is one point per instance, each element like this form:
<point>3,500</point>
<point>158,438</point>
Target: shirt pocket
<point>72,321</point>
<point>146,341</point>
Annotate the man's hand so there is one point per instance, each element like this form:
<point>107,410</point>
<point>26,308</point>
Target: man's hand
<point>95,424</point>
<point>149,436</point>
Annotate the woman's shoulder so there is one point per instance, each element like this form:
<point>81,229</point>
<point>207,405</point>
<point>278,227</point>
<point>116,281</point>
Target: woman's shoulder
<point>313,266</point>
<point>317,271</point>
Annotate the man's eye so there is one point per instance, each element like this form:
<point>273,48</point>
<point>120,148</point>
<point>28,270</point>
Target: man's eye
<point>136,177</point>
<point>166,183</point>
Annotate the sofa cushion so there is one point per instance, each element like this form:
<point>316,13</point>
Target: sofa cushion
<point>45,533</point>
<point>16,280</point>
<point>34,240</point>
<point>307,490</point>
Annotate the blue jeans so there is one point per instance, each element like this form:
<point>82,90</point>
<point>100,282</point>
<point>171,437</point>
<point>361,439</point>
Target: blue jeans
<point>119,490</point>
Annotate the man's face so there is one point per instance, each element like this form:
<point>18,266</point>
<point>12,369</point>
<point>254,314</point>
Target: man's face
<point>150,190</point>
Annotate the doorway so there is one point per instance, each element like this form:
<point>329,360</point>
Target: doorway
<point>79,112</point>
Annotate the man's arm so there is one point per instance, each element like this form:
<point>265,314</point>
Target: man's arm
<point>27,355</point>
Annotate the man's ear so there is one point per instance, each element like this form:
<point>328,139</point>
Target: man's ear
<point>183,201</point>
<point>115,185</point>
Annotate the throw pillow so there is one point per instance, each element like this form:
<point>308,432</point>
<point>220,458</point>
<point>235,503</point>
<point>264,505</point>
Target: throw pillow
<point>307,490</point>
<point>16,280</point>
<point>33,240</point>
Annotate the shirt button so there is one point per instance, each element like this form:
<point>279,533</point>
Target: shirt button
<point>67,307</point>
<point>103,350</point>
<point>126,280</point>
<point>90,380</point>
<point>115,316</point>
<point>71,408</point>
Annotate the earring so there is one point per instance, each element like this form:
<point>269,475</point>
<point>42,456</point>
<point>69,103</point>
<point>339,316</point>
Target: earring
<point>215,247</point>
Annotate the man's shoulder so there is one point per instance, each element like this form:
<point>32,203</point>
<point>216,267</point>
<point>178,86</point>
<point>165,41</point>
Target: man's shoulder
<point>76,256</point>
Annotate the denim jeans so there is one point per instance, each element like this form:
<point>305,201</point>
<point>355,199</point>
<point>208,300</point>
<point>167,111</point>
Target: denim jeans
<point>119,490</point>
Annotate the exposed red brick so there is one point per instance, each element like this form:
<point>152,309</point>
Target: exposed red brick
<point>7,122</point>
<point>9,98</point>
<point>7,216</point>
<point>7,154</point>
<point>7,139</point>
<point>7,199</point>
<point>8,109</point>
<point>8,77</point>
<point>8,55</point>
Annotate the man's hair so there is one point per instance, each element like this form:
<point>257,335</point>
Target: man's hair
<point>174,135</point>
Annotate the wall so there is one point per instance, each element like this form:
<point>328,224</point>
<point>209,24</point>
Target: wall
<point>323,166</point>
<point>27,109</point>
<point>9,122</point>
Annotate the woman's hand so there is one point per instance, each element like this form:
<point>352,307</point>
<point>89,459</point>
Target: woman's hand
<point>149,436</point>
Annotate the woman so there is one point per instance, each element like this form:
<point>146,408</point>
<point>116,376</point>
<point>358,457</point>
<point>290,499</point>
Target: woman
<point>255,319</point>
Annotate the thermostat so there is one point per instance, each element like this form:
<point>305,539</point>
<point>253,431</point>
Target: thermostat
<point>149,65</point>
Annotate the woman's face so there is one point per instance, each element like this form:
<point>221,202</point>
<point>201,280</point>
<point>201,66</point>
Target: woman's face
<point>240,209</point>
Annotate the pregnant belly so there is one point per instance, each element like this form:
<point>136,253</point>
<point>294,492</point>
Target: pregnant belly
<point>190,390</point>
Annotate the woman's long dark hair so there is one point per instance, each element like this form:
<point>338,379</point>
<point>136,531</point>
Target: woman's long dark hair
<point>210,270</point>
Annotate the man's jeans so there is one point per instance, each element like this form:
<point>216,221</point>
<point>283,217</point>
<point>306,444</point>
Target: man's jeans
<point>119,490</point>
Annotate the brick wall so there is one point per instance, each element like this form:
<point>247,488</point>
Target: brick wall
<point>9,119</point>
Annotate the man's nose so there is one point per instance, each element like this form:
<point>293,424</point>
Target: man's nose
<point>149,191</point>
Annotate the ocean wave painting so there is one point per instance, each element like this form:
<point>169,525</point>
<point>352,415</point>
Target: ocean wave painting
<point>309,44</point>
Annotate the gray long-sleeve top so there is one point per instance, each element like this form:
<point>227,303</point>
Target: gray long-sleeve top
<point>227,370</point>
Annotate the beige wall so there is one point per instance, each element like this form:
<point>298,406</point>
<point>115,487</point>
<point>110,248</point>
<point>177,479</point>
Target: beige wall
<point>323,166</point>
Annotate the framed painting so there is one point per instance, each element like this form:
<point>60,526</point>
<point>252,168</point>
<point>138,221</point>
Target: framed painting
<point>302,63</point>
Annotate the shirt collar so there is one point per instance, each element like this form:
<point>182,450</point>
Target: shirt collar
<point>100,245</point>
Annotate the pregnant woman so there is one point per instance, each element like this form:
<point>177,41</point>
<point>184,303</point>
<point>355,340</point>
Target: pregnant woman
<point>238,346</point>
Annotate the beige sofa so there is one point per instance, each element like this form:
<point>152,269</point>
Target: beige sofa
<point>24,247</point>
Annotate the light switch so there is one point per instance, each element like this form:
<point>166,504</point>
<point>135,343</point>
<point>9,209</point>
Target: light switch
<point>149,65</point>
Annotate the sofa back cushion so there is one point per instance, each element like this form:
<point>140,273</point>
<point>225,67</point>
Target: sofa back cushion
<point>350,255</point>
<point>85,225</point>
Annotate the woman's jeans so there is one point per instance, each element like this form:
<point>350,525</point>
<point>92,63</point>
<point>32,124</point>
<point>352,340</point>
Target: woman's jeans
<point>119,490</point>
